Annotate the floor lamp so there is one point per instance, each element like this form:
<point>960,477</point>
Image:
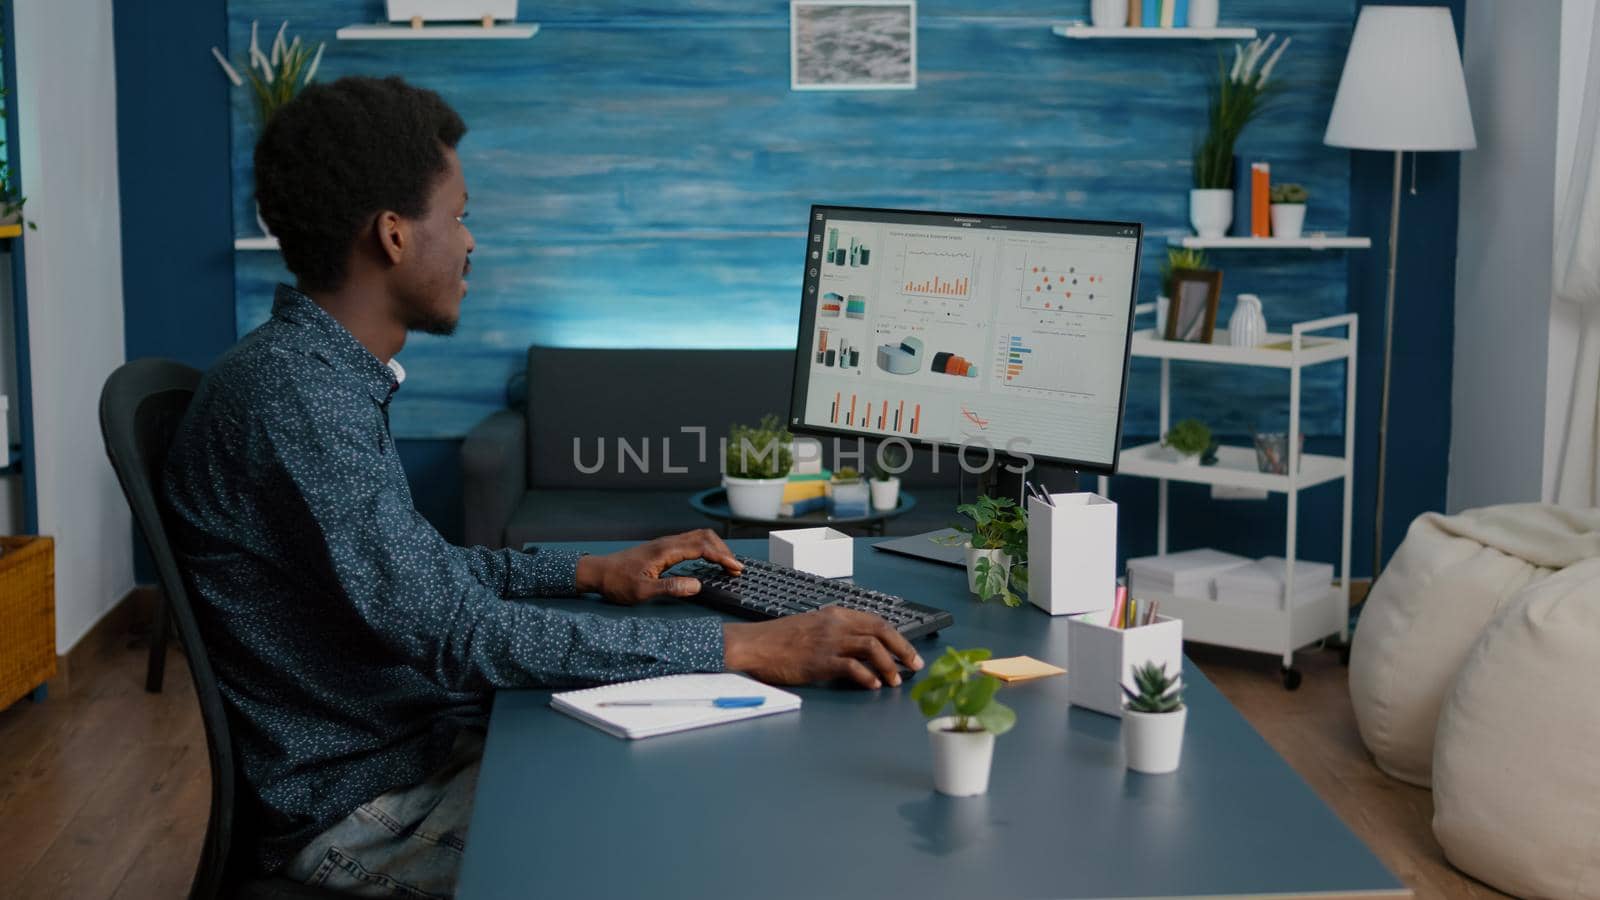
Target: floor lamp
<point>1402,89</point>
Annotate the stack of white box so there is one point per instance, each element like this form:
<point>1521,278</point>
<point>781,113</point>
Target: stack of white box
<point>1259,585</point>
<point>1190,573</point>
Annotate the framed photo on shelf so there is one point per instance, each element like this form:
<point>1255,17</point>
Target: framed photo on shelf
<point>1192,316</point>
<point>852,45</point>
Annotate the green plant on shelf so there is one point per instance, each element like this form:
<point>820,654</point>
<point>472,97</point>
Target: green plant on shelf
<point>1157,691</point>
<point>276,77</point>
<point>956,680</point>
<point>1180,259</point>
<point>759,451</point>
<point>1190,437</point>
<point>1289,192</point>
<point>1237,96</point>
<point>11,199</point>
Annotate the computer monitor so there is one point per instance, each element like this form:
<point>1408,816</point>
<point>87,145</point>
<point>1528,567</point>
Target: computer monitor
<point>944,329</point>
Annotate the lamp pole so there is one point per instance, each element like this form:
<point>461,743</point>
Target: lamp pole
<point>1388,355</point>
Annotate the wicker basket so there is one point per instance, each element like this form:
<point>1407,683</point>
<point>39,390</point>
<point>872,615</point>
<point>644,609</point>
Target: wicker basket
<point>27,615</point>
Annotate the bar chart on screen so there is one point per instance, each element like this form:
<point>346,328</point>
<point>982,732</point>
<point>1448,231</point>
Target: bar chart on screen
<point>851,409</point>
<point>930,270</point>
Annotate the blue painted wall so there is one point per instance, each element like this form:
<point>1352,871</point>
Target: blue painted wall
<point>641,172</point>
<point>1037,83</point>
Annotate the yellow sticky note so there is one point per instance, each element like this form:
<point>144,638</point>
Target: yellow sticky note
<point>1019,668</point>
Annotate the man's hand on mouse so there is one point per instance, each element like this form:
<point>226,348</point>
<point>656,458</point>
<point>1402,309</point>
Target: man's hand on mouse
<point>634,575</point>
<point>829,643</point>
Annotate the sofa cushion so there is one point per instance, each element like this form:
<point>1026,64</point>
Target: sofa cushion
<point>1516,789</point>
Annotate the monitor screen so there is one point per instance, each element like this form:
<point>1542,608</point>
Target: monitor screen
<point>950,330</point>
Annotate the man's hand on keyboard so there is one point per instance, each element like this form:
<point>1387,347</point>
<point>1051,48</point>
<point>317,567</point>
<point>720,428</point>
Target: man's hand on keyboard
<point>817,646</point>
<point>634,575</point>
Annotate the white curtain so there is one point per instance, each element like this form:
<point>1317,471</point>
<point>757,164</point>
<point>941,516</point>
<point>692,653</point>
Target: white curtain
<point>1577,282</point>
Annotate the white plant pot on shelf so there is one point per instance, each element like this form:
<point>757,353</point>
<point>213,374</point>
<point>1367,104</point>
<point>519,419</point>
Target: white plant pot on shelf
<point>1210,212</point>
<point>995,556</point>
<point>1108,13</point>
<point>1153,742</point>
<point>754,498</point>
<point>1202,13</point>
<point>1288,219</point>
<point>961,759</point>
<point>885,494</point>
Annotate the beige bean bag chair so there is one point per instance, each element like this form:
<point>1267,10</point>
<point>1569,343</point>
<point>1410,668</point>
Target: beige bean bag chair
<point>1447,580</point>
<point>1516,766</point>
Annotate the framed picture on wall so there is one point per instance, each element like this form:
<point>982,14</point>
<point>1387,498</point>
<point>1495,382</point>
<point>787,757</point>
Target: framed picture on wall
<point>1193,313</point>
<point>852,45</point>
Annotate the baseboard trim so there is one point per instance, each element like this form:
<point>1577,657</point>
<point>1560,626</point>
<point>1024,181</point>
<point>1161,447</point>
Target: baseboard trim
<point>128,618</point>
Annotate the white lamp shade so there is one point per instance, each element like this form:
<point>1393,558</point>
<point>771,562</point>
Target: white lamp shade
<point>1402,87</point>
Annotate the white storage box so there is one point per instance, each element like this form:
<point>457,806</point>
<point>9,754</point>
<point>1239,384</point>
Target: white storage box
<point>1072,553</point>
<point>1260,584</point>
<point>827,552</point>
<point>1100,659</point>
<point>1191,573</point>
<point>451,10</point>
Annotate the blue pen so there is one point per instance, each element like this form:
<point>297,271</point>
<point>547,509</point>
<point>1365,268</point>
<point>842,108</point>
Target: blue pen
<point>718,702</point>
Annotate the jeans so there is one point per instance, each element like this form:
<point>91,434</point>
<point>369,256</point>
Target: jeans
<point>406,843</point>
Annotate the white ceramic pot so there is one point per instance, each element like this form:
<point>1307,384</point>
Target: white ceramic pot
<point>1108,13</point>
<point>1288,219</point>
<point>754,498</point>
<point>1247,327</point>
<point>1185,459</point>
<point>885,494</point>
<point>1202,13</point>
<point>1210,212</point>
<point>994,556</point>
<point>960,758</point>
<point>1153,742</point>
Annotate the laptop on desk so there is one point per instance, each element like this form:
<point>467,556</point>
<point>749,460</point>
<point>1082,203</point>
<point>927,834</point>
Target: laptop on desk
<point>928,546</point>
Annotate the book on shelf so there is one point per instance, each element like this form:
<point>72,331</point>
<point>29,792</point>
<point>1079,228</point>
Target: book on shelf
<point>1260,200</point>
<point>1166,13</point>
<point>1152,13</point>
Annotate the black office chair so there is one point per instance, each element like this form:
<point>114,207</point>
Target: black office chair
<point>141,406</point>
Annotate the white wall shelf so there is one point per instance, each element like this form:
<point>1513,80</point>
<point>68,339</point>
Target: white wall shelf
<point>265,242</point>
<point>1281,631</point>
<point>1309,242</point>
<point>385,31</point>
<point>1082,31</point>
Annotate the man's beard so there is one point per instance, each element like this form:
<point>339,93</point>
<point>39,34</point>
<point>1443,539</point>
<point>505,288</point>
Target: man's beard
<point>439,326</point>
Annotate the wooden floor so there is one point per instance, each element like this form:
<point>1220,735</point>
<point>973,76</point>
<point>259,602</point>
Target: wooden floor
<point>104,791</point>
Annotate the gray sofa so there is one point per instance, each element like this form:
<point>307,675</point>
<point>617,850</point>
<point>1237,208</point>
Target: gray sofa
<point>530,472</point>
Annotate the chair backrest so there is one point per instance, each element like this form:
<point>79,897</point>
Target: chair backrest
<point>141,407</point>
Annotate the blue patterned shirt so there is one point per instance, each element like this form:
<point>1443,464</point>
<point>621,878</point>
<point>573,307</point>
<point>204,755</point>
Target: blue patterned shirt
<point>350,639</point>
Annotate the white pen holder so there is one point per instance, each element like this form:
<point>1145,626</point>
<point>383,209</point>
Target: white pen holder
<point>1100,659</point>
<point>827,552</point>
<point>1072,553</point>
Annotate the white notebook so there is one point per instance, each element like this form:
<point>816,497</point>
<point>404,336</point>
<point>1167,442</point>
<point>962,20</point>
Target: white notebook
<point>649,721</point>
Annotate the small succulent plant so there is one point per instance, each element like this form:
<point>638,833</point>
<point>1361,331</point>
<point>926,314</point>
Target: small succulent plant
<point>1190,437</point>
<point>1289,192</point>
<point>1158,692</point>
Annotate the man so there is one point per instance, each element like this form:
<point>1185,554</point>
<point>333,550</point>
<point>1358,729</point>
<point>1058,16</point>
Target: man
<point>356,648</point>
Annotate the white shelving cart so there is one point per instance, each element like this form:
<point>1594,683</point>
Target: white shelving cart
<point>1294,625</point>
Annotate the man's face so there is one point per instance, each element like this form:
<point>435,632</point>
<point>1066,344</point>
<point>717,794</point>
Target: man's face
<point>432,280</point>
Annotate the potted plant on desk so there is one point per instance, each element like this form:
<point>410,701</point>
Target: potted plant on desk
<point>963,744</point>
<point>885,477</point>
<point>1152,721</point>
<point>756,468</point>
<point>997,548</point>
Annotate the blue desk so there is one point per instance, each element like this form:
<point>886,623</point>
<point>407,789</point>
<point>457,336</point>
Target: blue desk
<point>837,801</point>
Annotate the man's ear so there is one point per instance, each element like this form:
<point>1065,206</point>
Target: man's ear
<point>394,236</point>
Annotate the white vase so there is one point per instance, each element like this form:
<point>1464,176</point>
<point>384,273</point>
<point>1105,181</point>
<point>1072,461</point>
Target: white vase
<point>1202,13</point>
<point>1153,742</point>
<point>1247,327</point>
<point>995,557</point>
<point>960,758</point>
<point>1108,13</point>
<point>885,493</point>
<point>1185,459</point>
<point>1288,219</point>
<point>754,498</point>
<point>1210,212</point>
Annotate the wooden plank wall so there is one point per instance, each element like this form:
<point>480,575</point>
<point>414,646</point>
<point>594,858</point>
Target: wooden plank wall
<point>640,173</point>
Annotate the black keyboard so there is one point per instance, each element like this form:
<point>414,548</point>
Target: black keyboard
<point>767,590</point>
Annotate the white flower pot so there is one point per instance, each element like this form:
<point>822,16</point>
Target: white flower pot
<point>754,498</point>
<point>1288,219</point>
<point>1210,212</point>
<point>1153,742</point>
<point>885,494</point>
<point>1108,13</point>
<point>960,758</point>
<point>994,556</point>
<point>1202,13</point>
<point>1185,459</point>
